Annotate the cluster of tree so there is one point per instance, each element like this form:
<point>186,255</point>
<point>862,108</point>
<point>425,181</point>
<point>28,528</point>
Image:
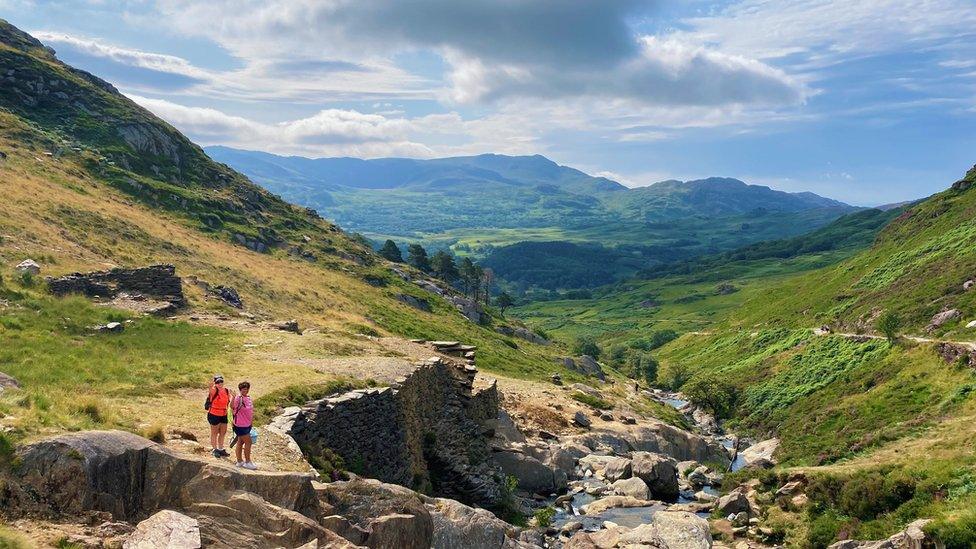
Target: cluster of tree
<point>852,231</point>
<point>555,265</point>
<point>632,359</point>
<point>473,279</point>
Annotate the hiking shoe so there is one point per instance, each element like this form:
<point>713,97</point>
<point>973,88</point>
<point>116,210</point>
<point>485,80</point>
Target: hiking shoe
<point>215,452</point>
<point>240,464</point>
<point>223,453</point>
<point>250,466</point>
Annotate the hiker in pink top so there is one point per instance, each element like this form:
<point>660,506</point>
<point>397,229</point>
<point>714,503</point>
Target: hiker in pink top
<point>243,408</point>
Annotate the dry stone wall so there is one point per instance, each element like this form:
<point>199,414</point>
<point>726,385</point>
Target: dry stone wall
<point>157,281</point>
<point>429,431</point>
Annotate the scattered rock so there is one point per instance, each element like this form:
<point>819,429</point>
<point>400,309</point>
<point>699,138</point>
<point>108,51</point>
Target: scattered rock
<point>676,529</point>
<point>586,389</point>
<point>629,420</point>
<point>968,284</point>
<point>613,502</point>
<point>28,266</point>
<point>111,327</point>
<point>229,296</point>
<point>289,326</point>
<point>579,418</point>
<point>8,382</point>
<point>417,303</point>
<point>942,318</point>
<point>912,537</point>
<point>556,379</point>
<point>606,416</point>
<point>725,289</point>
<point>971,324</point>
<point>166,529</point>
<point>457,525</point>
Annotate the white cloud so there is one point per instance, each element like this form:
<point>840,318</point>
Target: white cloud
<point>134,58</point>
<point>826,31</point>
<point>331,132</point>
<point>497,49</point>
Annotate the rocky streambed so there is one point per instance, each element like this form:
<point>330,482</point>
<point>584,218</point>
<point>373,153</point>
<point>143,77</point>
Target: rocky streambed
<point>639,483</point>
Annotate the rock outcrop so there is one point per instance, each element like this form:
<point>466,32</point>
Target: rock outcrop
<point>429,429</point>
<point>167,529</point>
<point>8,382</point>
<point>941,318</point>
<point>912,537</point>
<point>157,281</point>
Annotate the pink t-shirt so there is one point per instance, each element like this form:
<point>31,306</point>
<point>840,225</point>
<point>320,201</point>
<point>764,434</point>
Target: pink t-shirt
<point>243,408</point>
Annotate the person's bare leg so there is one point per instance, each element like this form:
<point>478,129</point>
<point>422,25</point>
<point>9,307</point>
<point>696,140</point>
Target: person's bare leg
<point>221,433</point>
<point>246,442</point>
<point>213,436</point>
<point>237,450</point>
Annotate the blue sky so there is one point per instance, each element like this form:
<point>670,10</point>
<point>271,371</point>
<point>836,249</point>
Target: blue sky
<point>870,101</point>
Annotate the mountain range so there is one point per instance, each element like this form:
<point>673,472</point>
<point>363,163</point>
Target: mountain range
<point>480,205</point>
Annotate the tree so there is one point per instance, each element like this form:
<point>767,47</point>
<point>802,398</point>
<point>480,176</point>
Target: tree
<point>585,345</point>
<point>471,277</point>
<point>417,257</point>
<point>391,252</point>
<point>643,365</point>
<point>715,395</point>
<point>504,301</point>
<point>443,266</point>
<point>675,374</point>
<point>889,324</point>
<point>487,279</point>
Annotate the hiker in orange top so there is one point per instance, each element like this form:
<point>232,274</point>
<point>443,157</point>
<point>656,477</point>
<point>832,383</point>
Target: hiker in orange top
<point>218,398</point>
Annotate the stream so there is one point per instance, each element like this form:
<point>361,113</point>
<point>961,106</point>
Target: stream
<point>632,517</point>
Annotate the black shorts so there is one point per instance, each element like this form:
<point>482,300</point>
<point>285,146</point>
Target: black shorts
<point>242,431</point>
<point>216,420</point>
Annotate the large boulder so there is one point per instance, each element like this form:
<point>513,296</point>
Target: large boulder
<point>617,468</point>
<point>457,525</point>
<point>532,474</point>
<point>680,530</point>
<point>506,430</point>
<point>732,503</point>
<point>589,366</point>
<point>661,438</point>
<point>760,453</point>
<point>565,456</point>
<point>633,487</point>
<point>167,529</point>
<point>658,472</point>
<point>604,442</point>
<point>579,418</point>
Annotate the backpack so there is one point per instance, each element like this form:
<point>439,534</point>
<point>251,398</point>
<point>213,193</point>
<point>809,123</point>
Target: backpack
<point>210,396</point>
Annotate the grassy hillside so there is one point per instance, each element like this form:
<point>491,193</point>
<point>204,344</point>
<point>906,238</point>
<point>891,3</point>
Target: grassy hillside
<point>860,408</point>
<point>91,181</point>
<point>885,431</point>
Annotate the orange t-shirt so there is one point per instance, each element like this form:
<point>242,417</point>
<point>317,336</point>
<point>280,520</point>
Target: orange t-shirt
<point>219,402</point>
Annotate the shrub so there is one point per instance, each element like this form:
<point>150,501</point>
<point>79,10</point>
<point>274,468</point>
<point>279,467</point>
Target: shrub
<point>959,533</point>
<point>155,433</point>
<point>508,505</point>
<point>585,345</point>
<point>657,339</point>
<point>889,324</point>
<point>592,401</point>
<point>543,517</point>
<point>675,375</point>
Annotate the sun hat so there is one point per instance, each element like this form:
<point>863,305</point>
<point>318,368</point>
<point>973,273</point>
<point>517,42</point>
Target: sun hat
<point>218,377</point>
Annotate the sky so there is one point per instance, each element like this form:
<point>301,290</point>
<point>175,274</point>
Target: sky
<point>866,101</point>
